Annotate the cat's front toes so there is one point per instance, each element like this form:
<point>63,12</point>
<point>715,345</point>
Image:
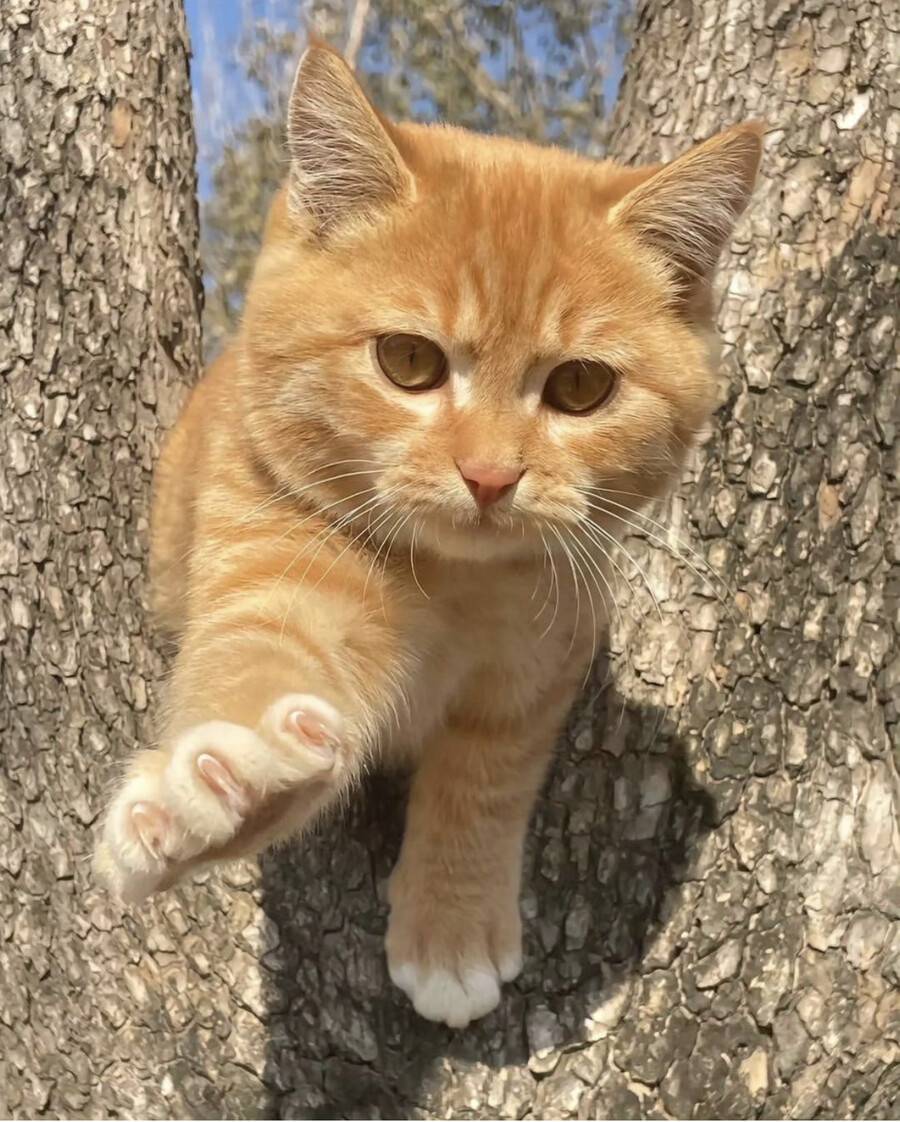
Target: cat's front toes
<point>221,791</point>
<point>453,996</point>
<point>308,726</point>
<point>450,960</point>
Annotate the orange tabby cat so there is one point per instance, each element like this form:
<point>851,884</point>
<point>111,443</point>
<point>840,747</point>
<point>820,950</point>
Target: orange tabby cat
<point>381,524</point>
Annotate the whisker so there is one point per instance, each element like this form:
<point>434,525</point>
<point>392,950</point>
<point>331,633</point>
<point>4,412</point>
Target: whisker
<point>576,520</point>
<point>662,540</point>
<point>568,554</point>
<point>590,596</point>
<point>373,563</point>
<point>412,557</point>
<point>367,529</point>
<point>393,533</point>
<point>334,529</point>
<point>591,528</point>
<point>390,539</point>
<point>597,569</point>
<point>327,529</point>
<point>554,576</point>
<point>289,491</point>
<point>288,488</point>
<point>643,531</point>
<point>553,584</point>
<point>330,531</point>
<point>538,578</point>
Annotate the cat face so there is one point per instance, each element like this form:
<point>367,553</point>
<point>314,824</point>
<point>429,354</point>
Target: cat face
<point>477,343</point>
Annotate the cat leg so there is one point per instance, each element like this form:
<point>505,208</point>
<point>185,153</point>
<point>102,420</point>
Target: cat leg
<point>268,723</point>
<point>454,934</point>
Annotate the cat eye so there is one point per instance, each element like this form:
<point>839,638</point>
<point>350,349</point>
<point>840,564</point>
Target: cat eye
<point>412,362</point>
<point>578,386</point>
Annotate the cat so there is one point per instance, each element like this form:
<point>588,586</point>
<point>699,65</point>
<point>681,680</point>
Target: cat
<point>381,526</point>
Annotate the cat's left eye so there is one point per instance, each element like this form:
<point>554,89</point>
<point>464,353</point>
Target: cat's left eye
<point>412,362</point>
<point>578,386</point>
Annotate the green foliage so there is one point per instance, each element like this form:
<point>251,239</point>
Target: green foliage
<point>534,69</point>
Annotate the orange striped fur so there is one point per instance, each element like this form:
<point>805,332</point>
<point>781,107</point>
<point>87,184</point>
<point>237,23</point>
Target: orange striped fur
<point>338,596</point>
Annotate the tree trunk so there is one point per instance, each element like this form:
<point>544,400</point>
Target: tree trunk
<point>711,886</point>
<point>783,956</point>
<point>99,335</point>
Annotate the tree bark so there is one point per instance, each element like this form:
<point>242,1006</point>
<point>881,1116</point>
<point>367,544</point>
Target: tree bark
<point>99,336</point>
<point>786,958</point>
<point>711,892</point>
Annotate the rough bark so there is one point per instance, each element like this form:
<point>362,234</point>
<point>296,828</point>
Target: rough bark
<point>99,335</point>
<point>711,887</point>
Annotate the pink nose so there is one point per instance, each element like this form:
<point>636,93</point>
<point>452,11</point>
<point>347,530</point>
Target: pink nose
<point>488,482</point>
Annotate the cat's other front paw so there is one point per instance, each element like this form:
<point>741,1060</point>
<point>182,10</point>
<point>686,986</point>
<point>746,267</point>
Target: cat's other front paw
<point>220,791</point>
<point>451,955</point>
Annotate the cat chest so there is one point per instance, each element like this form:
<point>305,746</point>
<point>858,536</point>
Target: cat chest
<point>477,656</point>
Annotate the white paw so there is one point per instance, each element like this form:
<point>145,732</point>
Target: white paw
<point>454,997</point>
<point>221,790</point>
<point>448,960</point>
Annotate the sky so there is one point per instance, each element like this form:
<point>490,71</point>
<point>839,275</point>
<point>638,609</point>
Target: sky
<point>223,98</point>
<point>214,27</point>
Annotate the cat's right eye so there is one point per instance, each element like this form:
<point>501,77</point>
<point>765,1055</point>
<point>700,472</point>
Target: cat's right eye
<point>412,362</point>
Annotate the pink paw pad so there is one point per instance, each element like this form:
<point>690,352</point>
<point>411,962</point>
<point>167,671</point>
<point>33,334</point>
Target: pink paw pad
<point>222,783</point>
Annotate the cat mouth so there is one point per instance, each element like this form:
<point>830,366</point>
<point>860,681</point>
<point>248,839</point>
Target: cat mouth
<point>498,525</point>
<point>473,524</point>
<point>486,518</point>
<point>490,523</point>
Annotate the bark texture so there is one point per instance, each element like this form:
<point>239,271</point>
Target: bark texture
<point>712,896</point>
<point>99,335</point>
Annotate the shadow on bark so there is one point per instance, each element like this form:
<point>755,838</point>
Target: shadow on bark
<point>601,874</point>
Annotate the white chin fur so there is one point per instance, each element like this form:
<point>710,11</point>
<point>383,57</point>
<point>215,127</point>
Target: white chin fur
<point>473,543</point>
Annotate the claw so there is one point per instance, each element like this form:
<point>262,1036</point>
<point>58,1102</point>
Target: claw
<point>317,734</point>
<point>219,778</point>
<point>151,823</point>
<point>221,790</point>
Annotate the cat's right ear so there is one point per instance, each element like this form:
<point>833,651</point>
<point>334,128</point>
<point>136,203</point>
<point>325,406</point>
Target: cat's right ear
<point>687,209</point>
<point>344,164</point>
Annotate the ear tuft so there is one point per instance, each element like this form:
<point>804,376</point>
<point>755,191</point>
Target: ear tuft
<point>344,163</point>
<point>689,208</point>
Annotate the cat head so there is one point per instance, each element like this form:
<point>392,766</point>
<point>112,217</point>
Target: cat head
<point>476,340</point>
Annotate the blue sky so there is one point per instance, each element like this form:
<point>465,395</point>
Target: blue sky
<point>214,27</point>
<point>222,95</point>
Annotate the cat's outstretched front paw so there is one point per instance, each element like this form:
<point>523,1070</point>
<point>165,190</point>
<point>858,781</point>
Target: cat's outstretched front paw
<point>450,955</point>
<point>221,790</point>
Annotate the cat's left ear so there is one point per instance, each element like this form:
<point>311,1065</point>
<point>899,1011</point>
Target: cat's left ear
<point>344,163</point>
<point>688,209</point>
